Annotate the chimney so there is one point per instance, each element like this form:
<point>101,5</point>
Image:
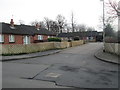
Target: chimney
<point>12,23</point>
<point>37,26</point>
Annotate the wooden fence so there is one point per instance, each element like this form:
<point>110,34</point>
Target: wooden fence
<point>37,47</point>
<point>112,48</point>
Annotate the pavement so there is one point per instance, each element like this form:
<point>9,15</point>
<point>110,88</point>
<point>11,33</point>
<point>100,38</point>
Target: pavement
<point>107,57</point>
<point>26,56</point>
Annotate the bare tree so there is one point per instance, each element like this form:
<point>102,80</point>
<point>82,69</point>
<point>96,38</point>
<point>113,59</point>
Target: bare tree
<point>107,20</point>
<point>33,23</point>
<point>81,27</point>
<point>61,22</point>
<point>68,28</point>
<point>21,22</point>
<point>113,11</point>
<point>113,6</point>
<point>54,26</point>
<point>47,23</point>
<point>90,29</point>
<point>41,23</point>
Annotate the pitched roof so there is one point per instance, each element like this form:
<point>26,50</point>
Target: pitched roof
<point>23,30</point>
<point>80,34</point>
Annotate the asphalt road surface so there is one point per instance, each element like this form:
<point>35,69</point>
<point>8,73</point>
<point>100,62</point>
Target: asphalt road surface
<point>73,67</point>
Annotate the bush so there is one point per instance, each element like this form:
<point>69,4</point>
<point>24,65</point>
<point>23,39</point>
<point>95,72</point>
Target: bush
<point>76,38</point>
<point>112,40</point>
<point>54,39</point>
<point>69,40</point>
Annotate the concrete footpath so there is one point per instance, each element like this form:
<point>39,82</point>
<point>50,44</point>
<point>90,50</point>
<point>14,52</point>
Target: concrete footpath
<point>108,57</point>
<point>26,56</point>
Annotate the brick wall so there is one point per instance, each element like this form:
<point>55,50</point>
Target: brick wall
<point>35,37</point>
<point>18,39</point>
<point>45,37</point>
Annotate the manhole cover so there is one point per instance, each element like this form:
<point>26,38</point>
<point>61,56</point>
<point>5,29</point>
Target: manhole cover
<point>54,75</point>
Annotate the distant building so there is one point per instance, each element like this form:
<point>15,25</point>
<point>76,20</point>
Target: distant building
<point>86,35</point>
<point>23,34</point>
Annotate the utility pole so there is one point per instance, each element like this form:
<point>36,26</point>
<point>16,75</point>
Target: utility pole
<point>72,20</point>
<point>103,25</point>
<point>119,16</point>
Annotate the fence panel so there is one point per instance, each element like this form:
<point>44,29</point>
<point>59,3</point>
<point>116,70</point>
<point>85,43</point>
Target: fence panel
<point>37,47</point>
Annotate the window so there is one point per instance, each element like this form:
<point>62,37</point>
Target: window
<point>26,40</point>
<point>91,38</point>
<point>11,38</point>
<point>1,38</point>
<point>40,37</point>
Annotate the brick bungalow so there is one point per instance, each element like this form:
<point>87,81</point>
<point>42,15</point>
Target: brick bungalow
<point>87,35</point>
<point>23,34</point>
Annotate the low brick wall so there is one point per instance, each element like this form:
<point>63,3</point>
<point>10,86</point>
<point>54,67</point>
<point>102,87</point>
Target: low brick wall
<point>112,48</point>
<point>17,49</point>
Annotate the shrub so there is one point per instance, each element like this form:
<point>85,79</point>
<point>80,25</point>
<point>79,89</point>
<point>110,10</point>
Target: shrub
<point>76,38</point>
<point>69,40</point>
<point>54,39</point>
<point>112,40</point>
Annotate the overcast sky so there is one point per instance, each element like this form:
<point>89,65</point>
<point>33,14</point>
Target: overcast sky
<point>85,11</point>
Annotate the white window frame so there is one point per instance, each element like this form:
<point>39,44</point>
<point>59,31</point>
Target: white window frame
<point>40,37</point>
<point>26,40</point>
<point>11,38</point>
<point>1,38</point>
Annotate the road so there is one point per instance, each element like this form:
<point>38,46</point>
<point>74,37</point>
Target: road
<point>73,67</point>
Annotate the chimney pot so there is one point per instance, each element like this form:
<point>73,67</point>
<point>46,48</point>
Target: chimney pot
<point>37,26</point>
<point>12,23</point>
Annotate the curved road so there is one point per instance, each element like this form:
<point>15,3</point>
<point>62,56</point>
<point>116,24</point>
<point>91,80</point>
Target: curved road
<point>76,64</point>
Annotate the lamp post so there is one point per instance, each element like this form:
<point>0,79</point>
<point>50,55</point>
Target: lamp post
<point>103,25</point>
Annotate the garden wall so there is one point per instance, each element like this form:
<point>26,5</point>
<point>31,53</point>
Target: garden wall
<point>112,48</point>
<point>38,47</point>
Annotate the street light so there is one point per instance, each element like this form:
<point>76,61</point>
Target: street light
<point>103,25</point>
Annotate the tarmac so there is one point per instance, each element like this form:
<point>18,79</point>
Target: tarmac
<point>104,56</point>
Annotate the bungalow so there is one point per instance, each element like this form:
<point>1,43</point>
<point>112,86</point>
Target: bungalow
<point>88,35</point>
<point>23,34</point>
